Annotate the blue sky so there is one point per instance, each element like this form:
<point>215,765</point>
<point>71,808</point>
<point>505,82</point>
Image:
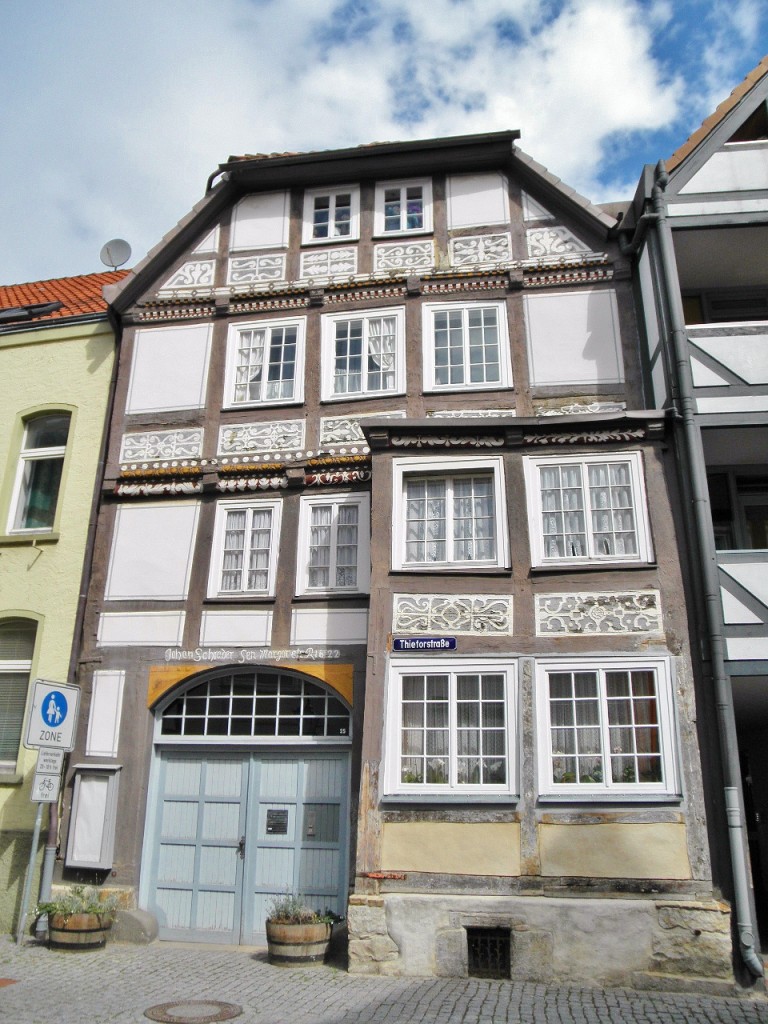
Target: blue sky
<point>115,114</point>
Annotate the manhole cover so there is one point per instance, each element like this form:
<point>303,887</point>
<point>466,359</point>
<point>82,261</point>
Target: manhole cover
<point>193,1011</point>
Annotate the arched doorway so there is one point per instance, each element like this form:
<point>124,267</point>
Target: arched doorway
<point>249,799</point>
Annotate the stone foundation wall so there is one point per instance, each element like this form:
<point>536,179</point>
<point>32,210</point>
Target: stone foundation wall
<point>587,940</point>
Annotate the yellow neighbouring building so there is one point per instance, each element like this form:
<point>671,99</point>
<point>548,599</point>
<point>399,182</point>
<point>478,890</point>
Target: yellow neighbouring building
<point>56,360</point>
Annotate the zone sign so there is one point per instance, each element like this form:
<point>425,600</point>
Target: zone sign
<point>52,715</point>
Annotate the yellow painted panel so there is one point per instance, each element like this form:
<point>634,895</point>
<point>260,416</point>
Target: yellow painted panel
<point>615,850</point>
<point>163,678</point>
<point>451,848</point>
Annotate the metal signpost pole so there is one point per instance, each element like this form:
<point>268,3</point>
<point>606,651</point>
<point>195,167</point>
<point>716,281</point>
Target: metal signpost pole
<point>30,872</point>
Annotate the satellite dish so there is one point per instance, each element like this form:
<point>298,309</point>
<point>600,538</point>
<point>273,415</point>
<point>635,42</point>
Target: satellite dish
<point>115,253</point>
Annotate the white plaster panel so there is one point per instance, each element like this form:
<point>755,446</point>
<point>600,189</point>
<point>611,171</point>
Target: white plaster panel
<point>326,625</point>
<point>713,207</point>
<point>105,714</point>
<point>239,628</point>
<point>703,377</point>
<point>140,629</point>
<point>751,575</point>
<point>731,170</point>
<point>747,648</point>
<point>533,210</point>
<point>744,354</point>
<point>573,337</point>
<point>209,242</point>
<point>260,221</point>
<point>151,555</point>
<point>170,368</point>
<point>734,612</point>
<point>739,403</point>
<point>476,199</point>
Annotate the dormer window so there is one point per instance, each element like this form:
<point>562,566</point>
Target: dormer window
<point>331,215</point>
<point>403,207</point>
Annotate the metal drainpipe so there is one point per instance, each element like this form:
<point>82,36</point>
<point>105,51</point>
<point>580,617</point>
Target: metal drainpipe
<point>703,522</point>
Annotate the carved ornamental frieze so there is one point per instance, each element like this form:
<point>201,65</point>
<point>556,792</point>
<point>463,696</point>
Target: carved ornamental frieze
<point>162,444</point>
<point>465,614</point>
<point>404,256</point>
<point>272,436</point>
<point>469,414</point>
<point>474,250</point>
<point>329,263</point>
<point>193,274</point>
<point>553,241</point>
<point>604,614</point>
<point>256,269</point>
<point>346,429</point>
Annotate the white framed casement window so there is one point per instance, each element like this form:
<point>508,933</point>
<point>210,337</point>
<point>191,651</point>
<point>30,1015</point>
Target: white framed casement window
<point>17,647</point>
<point>246,541</point>
<point>466,345</point>
<point>606,728</point>
<point>334,544</point>
<point>363,354</point>
<point>38,474</point>
<point>451,728</point>
<point>587,509</point>
<point>449,513</point>
<point>331,215</point>
<point>403,207</point>
<point>265,363</point>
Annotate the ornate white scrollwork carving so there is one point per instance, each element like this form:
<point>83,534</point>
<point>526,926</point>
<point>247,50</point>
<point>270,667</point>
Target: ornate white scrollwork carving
<point>162,444</point>
<point>629,611</point>
<point>194,274</point>
<point>404,256</point>
<point>252,269</point>
<point>476,249</point>
<point>465,614</point>
<point>555,241</point>
<point>276,435</point>
<point>328,263</point>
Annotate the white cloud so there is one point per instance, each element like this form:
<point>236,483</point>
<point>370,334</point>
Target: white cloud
<point>117,114</point>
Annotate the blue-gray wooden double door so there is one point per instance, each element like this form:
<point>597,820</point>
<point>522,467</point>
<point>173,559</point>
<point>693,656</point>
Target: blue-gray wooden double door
<point>232,831</point>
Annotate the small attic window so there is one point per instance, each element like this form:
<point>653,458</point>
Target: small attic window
<point>755,128</point>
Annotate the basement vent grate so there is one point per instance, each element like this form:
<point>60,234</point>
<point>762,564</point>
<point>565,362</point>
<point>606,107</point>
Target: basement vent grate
<point>489,952</point>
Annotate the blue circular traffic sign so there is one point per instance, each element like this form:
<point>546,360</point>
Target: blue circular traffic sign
<point>54,708</point>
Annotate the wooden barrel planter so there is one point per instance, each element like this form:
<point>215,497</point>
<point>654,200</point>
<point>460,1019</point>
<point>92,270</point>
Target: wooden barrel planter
<point>78,931</point>
<point>298,945</point>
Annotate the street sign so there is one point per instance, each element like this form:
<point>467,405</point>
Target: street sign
<point>426,644</point>
<point>52,715</point>
<point>46,781</point>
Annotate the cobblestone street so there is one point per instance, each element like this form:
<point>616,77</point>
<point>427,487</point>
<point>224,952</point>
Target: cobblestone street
<point>116,986</point>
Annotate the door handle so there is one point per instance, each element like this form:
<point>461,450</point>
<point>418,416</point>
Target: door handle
<point>241,848</point>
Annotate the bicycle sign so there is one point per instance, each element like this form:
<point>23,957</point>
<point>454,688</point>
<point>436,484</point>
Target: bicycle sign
<point>52,715</point>
<point>46,781</point>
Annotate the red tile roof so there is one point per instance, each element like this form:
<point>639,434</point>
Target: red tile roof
<point>80,295</point>
<point>714,119</point>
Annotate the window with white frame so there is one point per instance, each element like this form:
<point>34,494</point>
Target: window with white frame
<point>403,207</point>
<point>587,509</point>
<point>265,363</point>
<point>331,214</point>
<point>449,513</point>
<point>364,354</point>
<point>17,645</point>
<point>466,345</point>
<point>451,728</point>
<point>334,535</point>
<point>38,476</point>
<point>606,728</point>
<point>245,545</point>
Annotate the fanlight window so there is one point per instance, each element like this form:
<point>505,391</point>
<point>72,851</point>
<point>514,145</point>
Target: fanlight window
<point>261,705</point>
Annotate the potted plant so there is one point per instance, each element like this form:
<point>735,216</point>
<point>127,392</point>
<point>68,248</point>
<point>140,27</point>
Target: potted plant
<point>79,918</point>
<point>297,935</point>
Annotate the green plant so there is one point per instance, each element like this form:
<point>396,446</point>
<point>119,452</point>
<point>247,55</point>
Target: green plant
<point>291,909</point>
<point>79,899</point>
